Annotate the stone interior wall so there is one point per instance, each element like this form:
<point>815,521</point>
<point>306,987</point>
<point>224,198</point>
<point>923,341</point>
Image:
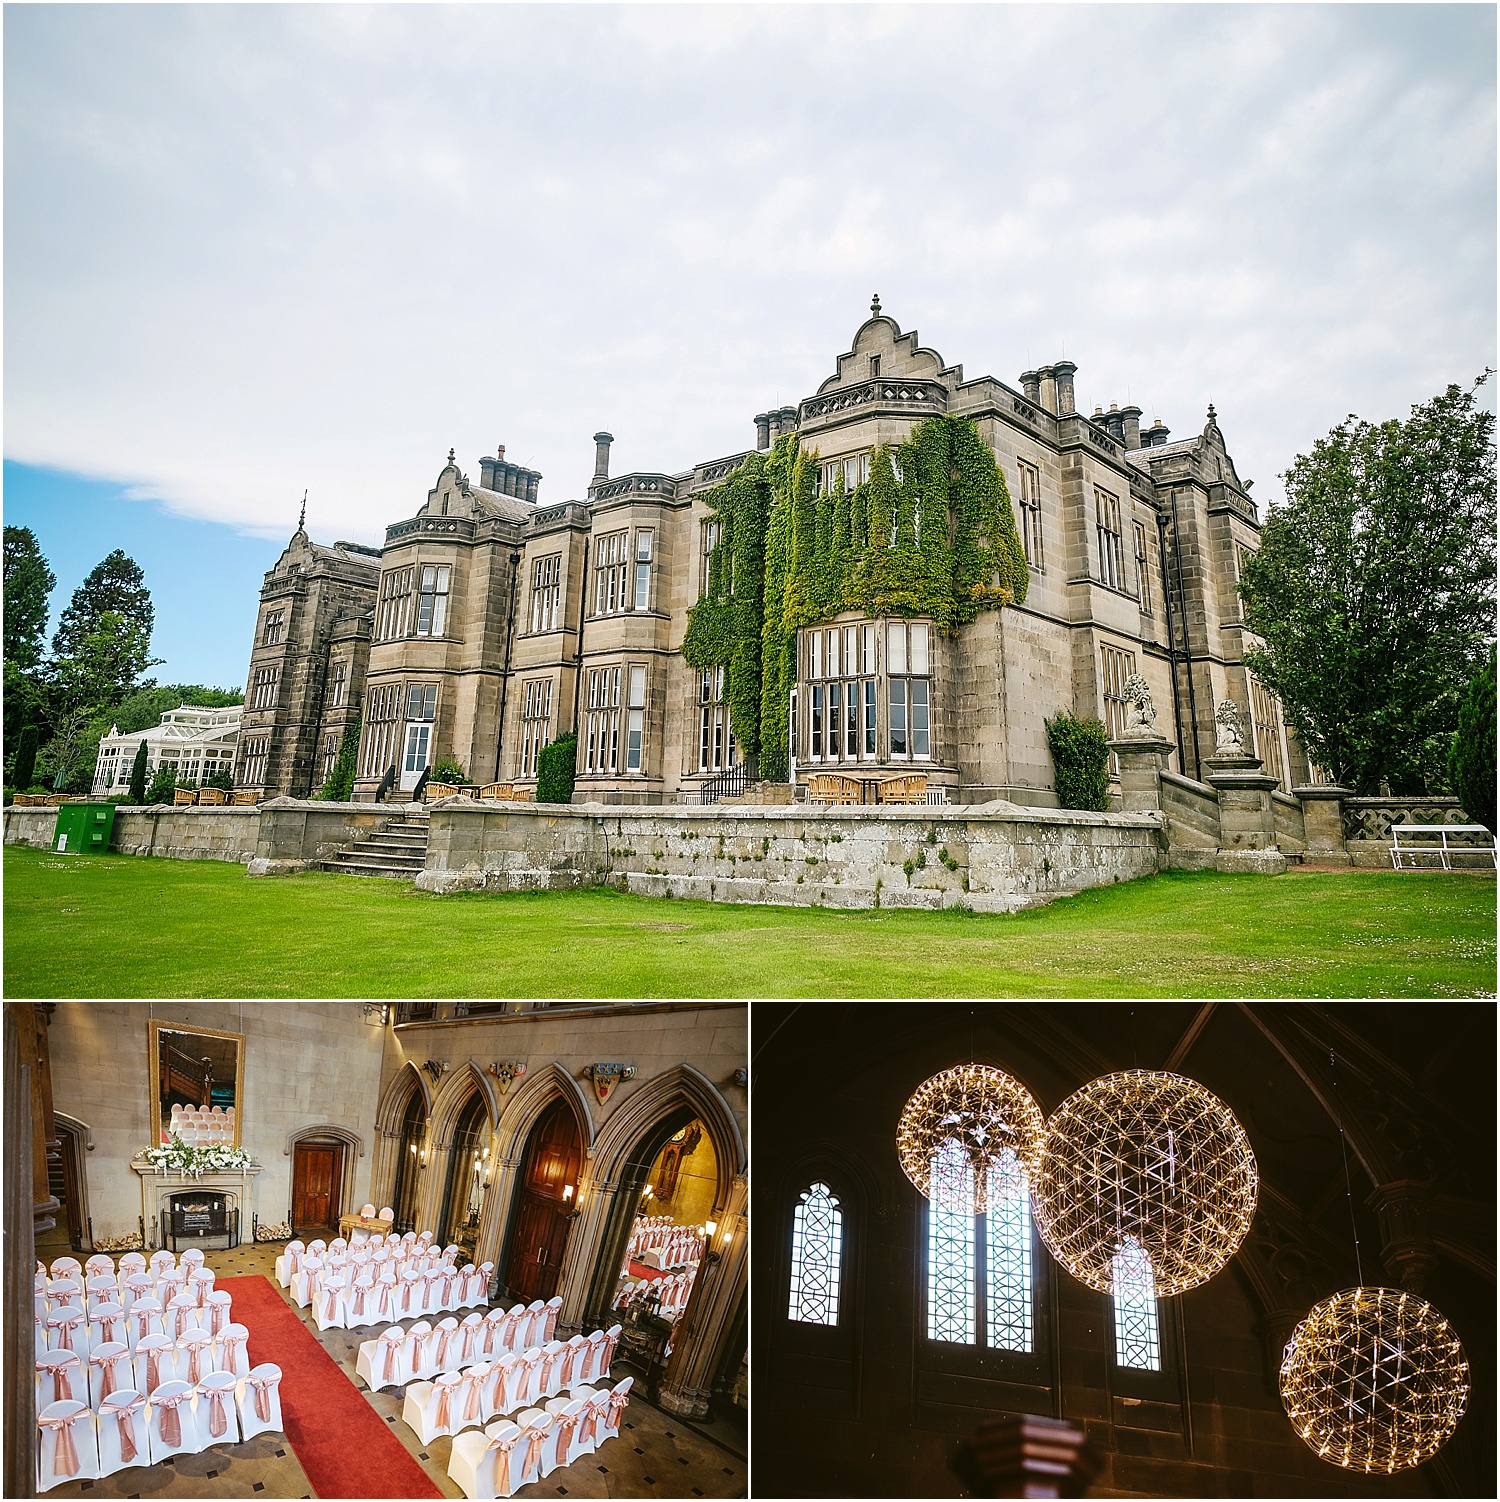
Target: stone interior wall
<point>995,858</point>
<point>692,1200</point>
<point>307,1064</point>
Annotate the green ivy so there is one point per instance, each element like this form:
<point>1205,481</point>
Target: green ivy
<point>939,541</point>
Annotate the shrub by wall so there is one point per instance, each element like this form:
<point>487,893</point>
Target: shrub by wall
<point>1080,761</point>
<point>556,767</point>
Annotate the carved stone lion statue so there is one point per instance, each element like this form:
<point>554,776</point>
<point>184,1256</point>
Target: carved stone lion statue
<point>1229,726</point>
<point>1141,717</point>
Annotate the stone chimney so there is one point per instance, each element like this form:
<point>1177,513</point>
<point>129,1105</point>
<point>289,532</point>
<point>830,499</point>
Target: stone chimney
<point>602,442</point>
<point>762,430</point>
<point>1113,424</point>
<point>1130,423</point>
<point>1048,388</point>
<point>1031,386</point>
<point>1155,435</point>
<point>1062,378</point>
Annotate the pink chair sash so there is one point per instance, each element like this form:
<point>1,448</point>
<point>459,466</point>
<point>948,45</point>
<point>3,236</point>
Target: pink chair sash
<point>107,1365</point>
<point>535,1439</point>
<point>385,1298</point>
<point>125,1413</point>
<point>263,1386</point>
<point>444,1337</point>
<point>586,1425</point>
<point>153,1367</point>
<point>392,1340</point>
<point>62,1381</point>
<point>475,1380</point>
<point>67,1322</point>
<point>565,1423</point>
<point>171,1420</point>
<point>331,1308</point>
<point>491,1329</point>
<point>503,1399</point>
<point>444,1417</point>
<point>107,1323</point>
<point>466,1350</point>
<point>609,1352</point>
<point>448,1279</point>
<point>219,1314</point>
<point>410,1283</point>
<point>195,1349</point>
<point>360,1290</point>
<point>428,1279</point>
<point>218,1420</point>
<point>570,1358</point>
<point>227,1344</point>
<point>417,1340</point>
<point>617,1402</point>
<point>504,1443</point>
<point>65,1453</point>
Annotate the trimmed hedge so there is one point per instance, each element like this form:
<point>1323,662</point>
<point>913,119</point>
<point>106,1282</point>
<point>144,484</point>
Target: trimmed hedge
<point>556,767</point>
<point>1080,761</point>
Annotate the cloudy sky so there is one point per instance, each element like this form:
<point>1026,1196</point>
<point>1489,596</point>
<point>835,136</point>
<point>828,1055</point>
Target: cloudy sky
<point>252,250</point>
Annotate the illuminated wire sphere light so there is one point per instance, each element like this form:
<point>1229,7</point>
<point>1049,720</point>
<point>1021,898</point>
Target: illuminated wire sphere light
<point>1374,1379</point>
<point>1148,1159</point>
<point>981,1108</point>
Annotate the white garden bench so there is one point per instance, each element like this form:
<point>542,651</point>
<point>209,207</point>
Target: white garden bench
<point>1420,840</point>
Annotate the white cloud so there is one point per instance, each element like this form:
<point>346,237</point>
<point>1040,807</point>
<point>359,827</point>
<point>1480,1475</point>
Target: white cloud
<point>252,249</point>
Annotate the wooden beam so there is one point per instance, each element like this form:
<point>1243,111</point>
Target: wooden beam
<point>1190,1037</point>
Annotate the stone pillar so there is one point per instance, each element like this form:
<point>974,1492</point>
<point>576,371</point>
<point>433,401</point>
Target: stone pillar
<point>383,1166</point>
<point>762,430</point>
<point>602,442</point>
<point>1406,1239</point>
<point>1247,822</point>
<point>1130,422</point>
<point>1031,386</point>
<point>1062,379</point>
<point>1323,820</point>
<point>1143,758</point>
<point>708,1320</point>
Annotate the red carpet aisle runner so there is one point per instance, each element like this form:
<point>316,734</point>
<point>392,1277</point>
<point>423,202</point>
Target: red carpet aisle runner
<point>637,1270</point>
<point>345,1447</point>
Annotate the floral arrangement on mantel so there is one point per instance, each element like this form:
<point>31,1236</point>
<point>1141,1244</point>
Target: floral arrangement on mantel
<point>193,1162</point>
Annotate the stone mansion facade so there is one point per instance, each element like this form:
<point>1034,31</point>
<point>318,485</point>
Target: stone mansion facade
<point>491,622</point>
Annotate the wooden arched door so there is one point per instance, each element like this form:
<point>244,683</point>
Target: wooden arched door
<point>548,1190</point>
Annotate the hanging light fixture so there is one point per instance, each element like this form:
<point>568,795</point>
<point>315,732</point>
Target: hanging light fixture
<point>1151,1159</point>
<point>1374,1379</point>
<point>981,1108</point>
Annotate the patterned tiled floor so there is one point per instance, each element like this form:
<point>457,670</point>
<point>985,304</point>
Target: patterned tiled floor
<point>656,1455</point>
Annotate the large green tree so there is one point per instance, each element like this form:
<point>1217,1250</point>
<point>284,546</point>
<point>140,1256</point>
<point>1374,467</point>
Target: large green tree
<point>1373,590</point>
<point>114,602</point>
<point>28,583</point>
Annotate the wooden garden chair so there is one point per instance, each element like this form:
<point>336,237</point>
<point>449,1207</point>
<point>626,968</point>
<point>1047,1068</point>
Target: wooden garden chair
<point>911,787</point>
<point>833,787</point>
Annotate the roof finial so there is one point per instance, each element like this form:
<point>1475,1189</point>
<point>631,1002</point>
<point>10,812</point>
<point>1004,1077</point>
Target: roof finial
<point>450,456</point>
<point>875,306</point>
<point>1212,415</point>
<point>302,519</point>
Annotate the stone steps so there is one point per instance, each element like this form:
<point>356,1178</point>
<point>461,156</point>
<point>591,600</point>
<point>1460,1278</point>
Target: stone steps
<point>397,852</point>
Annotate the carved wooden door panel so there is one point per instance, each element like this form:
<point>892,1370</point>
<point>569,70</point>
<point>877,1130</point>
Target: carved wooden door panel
<point>317,1185</point>
<point>540,1238</point>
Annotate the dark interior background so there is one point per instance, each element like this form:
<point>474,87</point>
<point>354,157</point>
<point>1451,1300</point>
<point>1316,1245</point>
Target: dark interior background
<point>870,1408</point>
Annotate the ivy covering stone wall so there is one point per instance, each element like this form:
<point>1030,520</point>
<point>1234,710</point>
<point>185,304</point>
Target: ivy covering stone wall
<point>930,533</point>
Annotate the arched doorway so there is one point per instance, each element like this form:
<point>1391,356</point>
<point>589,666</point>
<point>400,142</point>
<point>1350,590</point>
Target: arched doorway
<point>409,1164</point>
<point>545,1199</point>
<point>468,1178</point>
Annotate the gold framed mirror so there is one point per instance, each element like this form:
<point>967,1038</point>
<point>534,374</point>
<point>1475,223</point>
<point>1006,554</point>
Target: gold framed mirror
<point>197,1083</point>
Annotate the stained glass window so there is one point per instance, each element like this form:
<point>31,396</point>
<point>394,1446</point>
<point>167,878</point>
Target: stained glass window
<point>1137,1340</point>
<point>817,1248</point>
<point>1008,1270</point>
<point>950,1247</point>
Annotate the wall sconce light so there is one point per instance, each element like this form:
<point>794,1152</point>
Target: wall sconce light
<point>378,1012</point>
<point>649,1191</point>
<point>567,1191</point>
<point>709,1227</point>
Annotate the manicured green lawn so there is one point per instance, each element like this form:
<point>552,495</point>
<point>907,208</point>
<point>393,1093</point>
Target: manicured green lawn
<point>120,926</point>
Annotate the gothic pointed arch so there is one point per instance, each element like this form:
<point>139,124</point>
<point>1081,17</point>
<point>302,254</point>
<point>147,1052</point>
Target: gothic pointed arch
<point>531,1099</point>
<point>397,1094</point>
<point>454,1094</point>
<point>658,1098</point>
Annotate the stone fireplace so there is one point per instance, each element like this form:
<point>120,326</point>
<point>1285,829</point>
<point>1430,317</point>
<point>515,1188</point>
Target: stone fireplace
<point>211,1210</point>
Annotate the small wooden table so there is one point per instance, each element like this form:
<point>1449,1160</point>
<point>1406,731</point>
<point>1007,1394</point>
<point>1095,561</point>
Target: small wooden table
<point>373,1224</point>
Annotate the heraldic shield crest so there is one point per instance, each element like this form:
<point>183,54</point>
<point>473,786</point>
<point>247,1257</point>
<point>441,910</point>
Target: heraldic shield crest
<point>607,1076</point>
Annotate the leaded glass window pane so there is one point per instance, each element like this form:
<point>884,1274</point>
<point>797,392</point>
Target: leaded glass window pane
<point>950,1247</point>
<point>1009,1262</point>
<point>817,1249</point>
<point>1137,1339</point>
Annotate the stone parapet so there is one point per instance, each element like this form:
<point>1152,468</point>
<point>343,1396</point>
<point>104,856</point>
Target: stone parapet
<point>210,834</point>
<point>994,857</point>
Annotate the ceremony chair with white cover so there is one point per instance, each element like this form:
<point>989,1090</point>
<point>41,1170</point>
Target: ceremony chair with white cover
<point>470,1339</point>
<point>531,1391</point>
<point>155,1363</point>
<point>338,1247</point>
<point>218,1414</point>
<point>617,1399</point>
<point>305,1279</point>
<point>449,1288</point>
<point>195,1354</point>
<point>445,1345</point>
<point>98,1265</point>
<point>566,1414</point>
<point>574,1352</point>
<point>61,1377</point>
<point>422,1349</point>
<point>182,1313</point>
<point>549,1383</point>
<point>174,1421</point>
<point>288,1262</point>
<point>131,1264</point>
<point>531,1325</point>
<point>606,1360</point>
<point>552,1308</point>
<point>65,1293</point>
<point>431,1408</point>
<point>593,1368</point>
<point>431,1290</point>
<point>171,1284</point>
<point>410,1300</point>
<point>107,1323</point>
<point>317,1247</point>
<point>478,1401</point>
<point>69,1268</point>
<point>510,1382</point>
<point>536,1430</point>
<point>121,1430</point>
<point>360,1302</point>
<point>480,1465</point>
<point>68,1330</point>
<point>201,1284</point>
<point>386,1214</point>
<point>137,1286</point>
<point>143,1318</point>
<point>161,1262</point>
<point>39,1324</point>
<point>260,1400</point>
<point>192,1259</point>
<point>230,1350</point>
<point>102,1288</point>
<point>67,1444</point>
<point>328,1302</point>
<point>110,1369</point>
<point>424,1238</point>
<point>383,1362</point>
<point>216,1311</point>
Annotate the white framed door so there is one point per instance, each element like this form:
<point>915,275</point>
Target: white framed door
<point>414,757</point>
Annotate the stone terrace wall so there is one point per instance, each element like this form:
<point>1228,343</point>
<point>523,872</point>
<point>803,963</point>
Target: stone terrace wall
<point>994,857</point>
<point>204,834</point>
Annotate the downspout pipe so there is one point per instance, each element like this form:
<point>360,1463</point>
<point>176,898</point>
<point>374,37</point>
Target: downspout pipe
<point>1161,543</point>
